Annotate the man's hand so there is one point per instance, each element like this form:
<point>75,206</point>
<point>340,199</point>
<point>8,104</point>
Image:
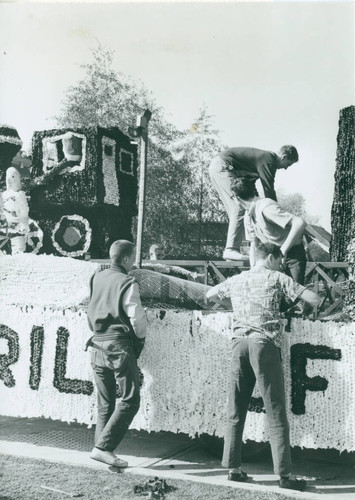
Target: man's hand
<point>283,261</point>
<point>311,298</point>
<point>295,235</point>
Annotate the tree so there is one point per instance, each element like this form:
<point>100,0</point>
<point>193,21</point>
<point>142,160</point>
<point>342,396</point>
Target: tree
<point>107,98</point>
<point>180,200</point>
<point>295,203</point>
<point>196,147</point>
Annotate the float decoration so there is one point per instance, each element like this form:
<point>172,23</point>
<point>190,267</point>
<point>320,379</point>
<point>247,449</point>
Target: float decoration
<point>15,211</point>
<point>72,236</point>
<point>343,208</point>
<point>10,145</point>
<point>34,240</point>
<point>84,172</point>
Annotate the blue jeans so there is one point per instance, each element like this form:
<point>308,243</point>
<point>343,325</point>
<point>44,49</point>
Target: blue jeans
<point>257,359</point>
<point>119,366</point>
<point>222,178</point>
<point>296,263</point>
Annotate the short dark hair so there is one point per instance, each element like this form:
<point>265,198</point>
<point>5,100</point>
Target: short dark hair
<point>244,188</point>
<point>121,249</point>
<point>262,250</point>
<point>290,152</point>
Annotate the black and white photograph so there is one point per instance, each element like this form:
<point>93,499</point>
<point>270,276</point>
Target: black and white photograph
<point>177,250</point>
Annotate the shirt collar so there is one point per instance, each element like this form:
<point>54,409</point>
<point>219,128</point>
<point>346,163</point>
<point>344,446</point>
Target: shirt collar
<point>119,268</point>
<point>260,267</point>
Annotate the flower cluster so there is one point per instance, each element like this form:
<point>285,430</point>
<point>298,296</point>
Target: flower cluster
<point>37,341</point>
<point>8,359</point>
<point>60,381</point>
<point>44,280</point>
<point>34,241</point>
<point>72,247</point>
<point>185,364</point>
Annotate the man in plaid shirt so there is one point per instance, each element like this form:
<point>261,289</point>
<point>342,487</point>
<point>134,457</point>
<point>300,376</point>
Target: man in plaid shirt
<point>258,329</point>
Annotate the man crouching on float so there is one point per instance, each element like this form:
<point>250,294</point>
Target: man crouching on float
<point>118,320</point>
<point>257,335</point>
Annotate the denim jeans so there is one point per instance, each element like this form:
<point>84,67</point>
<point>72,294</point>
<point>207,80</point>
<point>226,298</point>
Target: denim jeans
<point>120,366</point>
<point>296,262</point>
<point>257,359</point>
<point>222,179</point>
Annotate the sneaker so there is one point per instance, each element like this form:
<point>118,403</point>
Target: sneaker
<point>238,476</point>
<point>230,254</point>
<point>292,483</point>
<point>107,457</point>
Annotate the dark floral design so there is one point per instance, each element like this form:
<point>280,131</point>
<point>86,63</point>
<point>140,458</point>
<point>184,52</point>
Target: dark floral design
<point>37,341</point>
<point>300,381</point>
<point>12,357</point>
<point>60,382</point>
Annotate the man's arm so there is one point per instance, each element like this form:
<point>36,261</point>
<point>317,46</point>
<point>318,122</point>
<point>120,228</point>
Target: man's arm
<point>310,297</point>
<point>132,306</point>
<point>267,178</point>
<point>295,234</point>
<point>213,295</point>
<point>252,254</point>
<point>294,291</point>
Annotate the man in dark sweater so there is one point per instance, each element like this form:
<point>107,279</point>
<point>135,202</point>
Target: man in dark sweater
<point>117,318</point>
<point>253,164</point>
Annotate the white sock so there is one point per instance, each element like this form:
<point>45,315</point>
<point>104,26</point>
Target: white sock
<point>237,470</point>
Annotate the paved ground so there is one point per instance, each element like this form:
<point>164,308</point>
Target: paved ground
<point>175,456</point>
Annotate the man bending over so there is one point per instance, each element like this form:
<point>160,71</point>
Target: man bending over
<point>251,164</point>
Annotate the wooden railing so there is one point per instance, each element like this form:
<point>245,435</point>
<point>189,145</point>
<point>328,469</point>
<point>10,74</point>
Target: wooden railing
<point>328,279</point>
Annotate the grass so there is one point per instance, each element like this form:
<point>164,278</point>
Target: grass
<point>22,478</point>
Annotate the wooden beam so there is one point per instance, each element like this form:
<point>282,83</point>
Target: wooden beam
<point>181,263</point>
<point>310,268</point>
<point>225,264</point>
<point>217,272</point>
<point>328,280</point>
<point>317,236</point>
<point>331,265</point>
<point>205,272</point>
<point>331,308</point>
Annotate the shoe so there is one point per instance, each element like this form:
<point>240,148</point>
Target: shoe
<point>107,457</point>
<point>238,476</point>
<point>292,483</point>
<point>230,254</point>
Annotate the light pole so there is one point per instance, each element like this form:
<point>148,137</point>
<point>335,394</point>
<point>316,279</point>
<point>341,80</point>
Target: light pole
<point>141,131</point>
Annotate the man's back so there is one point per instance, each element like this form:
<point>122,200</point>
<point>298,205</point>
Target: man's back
<point>105,310</point>
<point>256,297</point>
<point>253,163</point>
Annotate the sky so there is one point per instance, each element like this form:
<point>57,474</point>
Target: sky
<point>271,73</point>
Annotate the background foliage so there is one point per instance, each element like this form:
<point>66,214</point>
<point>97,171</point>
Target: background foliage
<point>183,211</point>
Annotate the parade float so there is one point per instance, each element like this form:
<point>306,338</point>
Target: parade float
<point>45,372</point>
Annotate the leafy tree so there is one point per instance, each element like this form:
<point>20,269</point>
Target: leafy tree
<point>106,97</point>
<point>295,203</point>
<point>196,147</point>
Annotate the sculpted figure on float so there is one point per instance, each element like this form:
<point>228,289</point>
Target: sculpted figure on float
<point>15,211</point>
